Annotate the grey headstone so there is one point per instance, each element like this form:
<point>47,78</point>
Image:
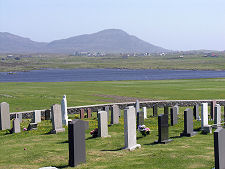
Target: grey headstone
<point>212,106</point>
<point>32,126</point>
<point>219,148</point>
<point>19,116</point>
<point>130,129</point>
<point>140,118</point>
<point>106,108</point>
<point>56,119</point>
<point>4,116</point>
<point>102,124</point>
<point>47,114</point>
<point>217,114</point>
<point>166,110</point>
<point>86,125</point>
<point>76,137</point>
<point>137,106</point>
<point>163,129</point>
<point>196,112</point>
<point>173,115</point>
<point>188,123</point>
<point>115,114</point>
<point>155,110</point>
<point>36,116</point>
<point>16,126</point>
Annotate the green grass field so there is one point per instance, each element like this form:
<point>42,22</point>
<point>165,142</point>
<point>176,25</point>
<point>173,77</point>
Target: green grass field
<point>141,62</point>
<point>43,149</point>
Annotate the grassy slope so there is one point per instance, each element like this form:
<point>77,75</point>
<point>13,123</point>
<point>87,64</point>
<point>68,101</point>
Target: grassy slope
<point>52,150</point>
<point>141,62</point>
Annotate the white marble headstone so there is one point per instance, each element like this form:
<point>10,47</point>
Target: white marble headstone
<point>64,111</point>
<point>145,112</point>
<point>204,114</point>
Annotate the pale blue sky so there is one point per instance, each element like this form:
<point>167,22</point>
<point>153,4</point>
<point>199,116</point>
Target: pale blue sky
<point>172,24</point>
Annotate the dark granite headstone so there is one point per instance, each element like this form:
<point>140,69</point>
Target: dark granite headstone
<point>140,118</point>
<point>32,126</point>
<point>106,108</point>
<point>219,148</point>
<point>166,110</point>
<point>155,110</point>
<point>196,112</point>
<point>212,106</point>
<point>89,113</point>
<point>47,114</point>
<point>76,137</point>
<point>188,123</point>
<point>81,113</point>
<point>173,115</point>
<point>163,129</point>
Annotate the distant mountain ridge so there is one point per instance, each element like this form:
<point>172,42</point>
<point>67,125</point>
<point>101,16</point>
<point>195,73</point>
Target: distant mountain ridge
<point>106,41</point>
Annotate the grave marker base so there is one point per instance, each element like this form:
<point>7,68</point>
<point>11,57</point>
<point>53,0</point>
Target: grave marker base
<point>188,134</point>
<point>163,142</point>
<point>57,131</point>
<point>133,147</point>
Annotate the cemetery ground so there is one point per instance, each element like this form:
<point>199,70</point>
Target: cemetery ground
<point>170,61</point>
<point>38,148</point>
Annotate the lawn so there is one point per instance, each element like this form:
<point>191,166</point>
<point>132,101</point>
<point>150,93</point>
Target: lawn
<point>33,149</point>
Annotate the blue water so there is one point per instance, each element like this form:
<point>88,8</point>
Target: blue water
<point>63,75</point>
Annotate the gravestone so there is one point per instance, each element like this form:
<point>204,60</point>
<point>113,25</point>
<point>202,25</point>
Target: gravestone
<point>219,148</point>
<point>16,126</point>
<point>166,110</point>
<point>56,119</point>
<point>188,123</point>
<point>204,118</point>
<point>47,114</point>
<point>212,106</point>
<point>217,115</point>
<point>81,113</point>
<point>137,106</point>
<point>196,112</point>
<point>64,111</point>
<point>76,137</point>
<point>36,116</point>
<point>155,110</point>
<point>102,124</point>
<point>173,115</point>
<point>32,126</point>
<point>115,114</point>
<point>163,129</point>
<point>204,115</point>
<point>88,113</point>
<point>20,117</point>
<point>145,112</point>
<point>224,115</point>
<point>130,129</point>
<point>140,118</point>
<point>106,108</point>
<point>4,116</point>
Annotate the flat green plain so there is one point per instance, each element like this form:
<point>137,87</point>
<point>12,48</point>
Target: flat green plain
<point>34,149</point>
<point>170,61</point>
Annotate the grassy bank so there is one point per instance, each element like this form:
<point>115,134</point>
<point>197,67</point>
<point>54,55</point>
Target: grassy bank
<point>36,149</point>
<point>140,62</point>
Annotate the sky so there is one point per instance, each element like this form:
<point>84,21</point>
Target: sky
<point>171,24</point>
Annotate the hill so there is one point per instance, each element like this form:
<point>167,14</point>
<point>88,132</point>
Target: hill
<point>107,41</point>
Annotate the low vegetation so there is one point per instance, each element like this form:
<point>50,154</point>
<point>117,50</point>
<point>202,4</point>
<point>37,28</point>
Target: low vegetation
<point>175,61</point>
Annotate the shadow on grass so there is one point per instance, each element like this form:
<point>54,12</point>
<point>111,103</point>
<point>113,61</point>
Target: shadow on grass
<point>197,129</point>
<point>118,149</point>
<point>63,142</point>
<point>48,133</point>
<point>90,138</point>
<point>62,166</point>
